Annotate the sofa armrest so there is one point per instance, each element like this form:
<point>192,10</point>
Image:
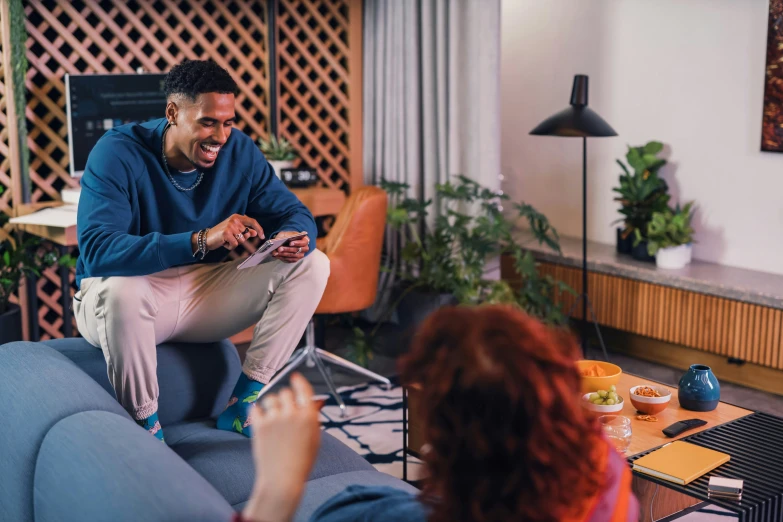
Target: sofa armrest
<point>101,466</point>
<point>39,387</point>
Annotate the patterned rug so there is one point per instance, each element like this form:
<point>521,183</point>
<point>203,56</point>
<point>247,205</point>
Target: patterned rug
<point>373,428</point>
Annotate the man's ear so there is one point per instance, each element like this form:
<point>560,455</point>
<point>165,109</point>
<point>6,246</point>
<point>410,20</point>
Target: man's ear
<point>171,112</point>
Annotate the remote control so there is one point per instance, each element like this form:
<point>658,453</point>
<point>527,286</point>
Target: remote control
<point>684,425</point>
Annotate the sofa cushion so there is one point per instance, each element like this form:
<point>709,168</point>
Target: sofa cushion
<point>195,380</point>
<point>224,458</point>
<point>132,477</point>
<point>38,388</point>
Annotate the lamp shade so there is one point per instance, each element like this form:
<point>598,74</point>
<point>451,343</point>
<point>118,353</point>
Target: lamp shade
<point>578,120</point>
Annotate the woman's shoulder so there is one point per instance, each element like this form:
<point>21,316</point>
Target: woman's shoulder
<point>371,503</point>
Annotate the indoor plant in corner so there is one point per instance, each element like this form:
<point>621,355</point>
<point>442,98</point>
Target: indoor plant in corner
<point>442,257</point>
<point>640,195</point>
<point>279,153</point>
<point>443,260</point>
<point>670,236</point>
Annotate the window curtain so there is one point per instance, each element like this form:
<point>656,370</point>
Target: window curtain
<point>431,98</point>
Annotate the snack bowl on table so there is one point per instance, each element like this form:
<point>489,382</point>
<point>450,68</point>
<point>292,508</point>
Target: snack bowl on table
<point>602,408</point>
<point>609,374</point>
<point>650,405</point>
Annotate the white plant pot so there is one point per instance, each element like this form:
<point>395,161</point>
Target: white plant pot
<point>673,257</point>
<point>279,165</point>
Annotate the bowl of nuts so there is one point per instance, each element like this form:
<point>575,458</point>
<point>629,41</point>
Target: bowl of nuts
<point>650,399</point>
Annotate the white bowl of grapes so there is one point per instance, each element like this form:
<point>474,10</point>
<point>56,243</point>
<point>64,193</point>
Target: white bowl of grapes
<point>603,401</point>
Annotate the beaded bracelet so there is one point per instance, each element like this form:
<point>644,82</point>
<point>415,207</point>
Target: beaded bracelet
<point>204,244</point>
<point>201,243</point>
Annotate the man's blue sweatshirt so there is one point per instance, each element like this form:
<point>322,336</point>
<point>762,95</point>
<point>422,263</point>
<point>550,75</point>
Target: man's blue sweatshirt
<point>133,221</point>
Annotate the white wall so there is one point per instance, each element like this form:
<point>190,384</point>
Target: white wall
<point>688,73</point>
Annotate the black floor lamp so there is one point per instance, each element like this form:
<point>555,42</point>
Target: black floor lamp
<point>579,121</point>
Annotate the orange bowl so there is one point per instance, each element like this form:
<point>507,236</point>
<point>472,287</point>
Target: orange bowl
<point>590,384</point>
<point>650,405</point>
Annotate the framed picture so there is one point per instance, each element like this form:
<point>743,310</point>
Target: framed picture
<point>772,123</point>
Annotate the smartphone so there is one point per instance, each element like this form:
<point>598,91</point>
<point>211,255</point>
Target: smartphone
<point>264,252</point>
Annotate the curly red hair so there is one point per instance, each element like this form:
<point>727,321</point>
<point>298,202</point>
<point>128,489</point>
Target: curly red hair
<point>508,438</point>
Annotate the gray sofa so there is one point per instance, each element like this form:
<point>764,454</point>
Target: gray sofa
<point>68,451</point>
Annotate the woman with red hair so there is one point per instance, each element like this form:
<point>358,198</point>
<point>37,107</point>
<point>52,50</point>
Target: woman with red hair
<point>507,438</point>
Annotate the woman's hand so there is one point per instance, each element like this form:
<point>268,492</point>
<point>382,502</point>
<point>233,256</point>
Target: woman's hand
<point>286,436</point>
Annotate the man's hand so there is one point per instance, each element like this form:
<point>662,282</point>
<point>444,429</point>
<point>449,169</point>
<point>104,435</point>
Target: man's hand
<point>233,232</point>
<point>295,250</point>
<point>286,436</point>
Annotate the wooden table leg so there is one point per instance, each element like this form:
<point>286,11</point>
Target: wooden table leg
<point>666,501</point>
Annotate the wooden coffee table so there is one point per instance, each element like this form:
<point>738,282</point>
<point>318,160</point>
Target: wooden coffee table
<point>646,436</point>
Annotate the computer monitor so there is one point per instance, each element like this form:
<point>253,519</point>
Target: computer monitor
<point>97,102</point>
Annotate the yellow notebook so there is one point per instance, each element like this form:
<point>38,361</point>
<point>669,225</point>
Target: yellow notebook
<point>680,462</point>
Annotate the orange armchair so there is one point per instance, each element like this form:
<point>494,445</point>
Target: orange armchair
<point>353,247</point>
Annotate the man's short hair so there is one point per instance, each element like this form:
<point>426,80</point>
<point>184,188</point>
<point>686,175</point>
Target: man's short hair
<point>194,77</point>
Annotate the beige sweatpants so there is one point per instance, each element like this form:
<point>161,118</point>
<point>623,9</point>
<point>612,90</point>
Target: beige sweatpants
<point>128,316</point>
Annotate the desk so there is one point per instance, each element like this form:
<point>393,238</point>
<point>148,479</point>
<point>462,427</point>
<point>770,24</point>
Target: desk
<point>321,201</point>
<point>646,436</point>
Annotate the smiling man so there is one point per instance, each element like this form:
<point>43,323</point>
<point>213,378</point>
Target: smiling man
<point>160,205</point>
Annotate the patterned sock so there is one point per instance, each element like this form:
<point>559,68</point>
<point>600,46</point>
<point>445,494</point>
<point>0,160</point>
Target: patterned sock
<point>152,425</point>
<point>234,418</point>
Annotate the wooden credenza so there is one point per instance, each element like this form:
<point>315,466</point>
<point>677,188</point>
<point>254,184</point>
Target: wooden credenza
<point>729,318</point>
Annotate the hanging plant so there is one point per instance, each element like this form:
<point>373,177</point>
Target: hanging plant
<point>18,37</point>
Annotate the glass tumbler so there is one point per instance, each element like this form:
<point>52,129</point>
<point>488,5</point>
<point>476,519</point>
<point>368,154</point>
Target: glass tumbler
<point>618,430</point>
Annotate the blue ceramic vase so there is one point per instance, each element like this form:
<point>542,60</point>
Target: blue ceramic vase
<point>699,389</point>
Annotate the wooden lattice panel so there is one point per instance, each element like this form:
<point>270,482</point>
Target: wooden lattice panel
<point>313,84</point>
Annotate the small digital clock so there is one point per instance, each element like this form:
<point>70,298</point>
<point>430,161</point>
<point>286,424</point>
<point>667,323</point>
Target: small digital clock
<point>299,177</point>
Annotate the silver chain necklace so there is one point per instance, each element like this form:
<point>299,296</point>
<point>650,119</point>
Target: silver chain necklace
<point>166,166</point>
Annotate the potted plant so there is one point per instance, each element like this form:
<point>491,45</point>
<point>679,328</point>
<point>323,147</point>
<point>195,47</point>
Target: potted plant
<point>279,153</point>
<point>640,194</point>
<point>18,259</point>
<point>670,236</point>
<point>443,256</point>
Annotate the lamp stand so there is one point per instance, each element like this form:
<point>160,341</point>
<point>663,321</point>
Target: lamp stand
<point>583,296</point>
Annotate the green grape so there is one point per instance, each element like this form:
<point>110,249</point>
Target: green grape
<point>613,388</point>
<point>602,393</point>
<point>613,395</point>
<point>598,401</point>
<point>594,396</point>
<point>611,402</point>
